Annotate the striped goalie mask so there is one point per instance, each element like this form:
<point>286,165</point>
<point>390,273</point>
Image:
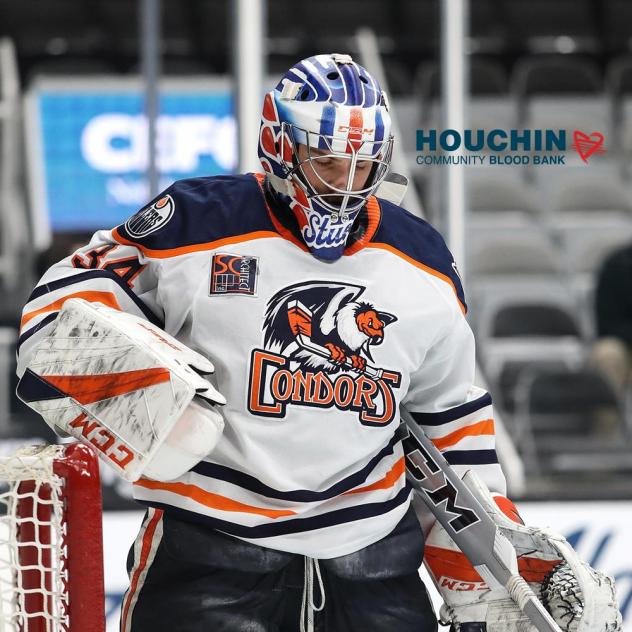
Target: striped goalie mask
<point>327,116</point>
<point>118,382</point>
<point>578,597</point>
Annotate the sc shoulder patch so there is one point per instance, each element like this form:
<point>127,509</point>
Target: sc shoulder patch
<point>151,218</point>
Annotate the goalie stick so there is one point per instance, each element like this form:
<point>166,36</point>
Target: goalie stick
<point>467,523</point>
<point>447,496</point>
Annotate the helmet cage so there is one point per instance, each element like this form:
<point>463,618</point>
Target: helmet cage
<point>377,152</point>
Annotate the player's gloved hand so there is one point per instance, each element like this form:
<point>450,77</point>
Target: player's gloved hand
<point>124,385</point>
<point>193,437</point>
<point>579,598</point>
<point>198,429</point>
<point>174,351</point>
<point>459,583</point>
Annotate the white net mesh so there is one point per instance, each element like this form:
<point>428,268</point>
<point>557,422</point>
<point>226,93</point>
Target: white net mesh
<point>33,550</point>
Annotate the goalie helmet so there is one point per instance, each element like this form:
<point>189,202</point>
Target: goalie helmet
<point>327,115</point>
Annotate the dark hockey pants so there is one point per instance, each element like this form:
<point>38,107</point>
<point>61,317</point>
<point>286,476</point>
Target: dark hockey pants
<point>200,580</point>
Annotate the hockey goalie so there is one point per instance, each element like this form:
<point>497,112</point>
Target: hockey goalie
<point>239,349</point>
<point>114,412</point>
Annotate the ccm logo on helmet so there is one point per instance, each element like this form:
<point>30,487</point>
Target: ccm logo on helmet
<point>355,130</point>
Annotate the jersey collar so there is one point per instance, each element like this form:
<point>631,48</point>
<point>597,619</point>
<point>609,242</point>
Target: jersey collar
<point>284,222</point>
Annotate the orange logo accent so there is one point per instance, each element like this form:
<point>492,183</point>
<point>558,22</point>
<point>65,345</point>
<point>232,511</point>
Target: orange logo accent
<point>362,394</point>
<point>162,339</point>
<point>87,389</point>
<point>317,340</point>
<point>256,384</point>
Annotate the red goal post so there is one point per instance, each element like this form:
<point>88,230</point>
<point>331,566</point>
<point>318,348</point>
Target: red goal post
<point>51,540</point>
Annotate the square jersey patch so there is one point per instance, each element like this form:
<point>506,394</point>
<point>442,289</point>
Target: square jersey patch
<point>234,274</point>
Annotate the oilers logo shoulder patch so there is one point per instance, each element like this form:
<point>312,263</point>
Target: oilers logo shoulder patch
<point>151,218</point>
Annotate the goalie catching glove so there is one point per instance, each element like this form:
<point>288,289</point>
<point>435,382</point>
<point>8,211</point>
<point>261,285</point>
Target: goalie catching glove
<point>579,598</point>
<point>127,387</point>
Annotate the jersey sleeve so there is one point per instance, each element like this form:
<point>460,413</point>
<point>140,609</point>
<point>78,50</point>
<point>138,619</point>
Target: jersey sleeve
<point>456,415</point>
<point>105,271</point>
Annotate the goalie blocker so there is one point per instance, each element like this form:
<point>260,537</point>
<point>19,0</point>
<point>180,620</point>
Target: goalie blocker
<point>125,386</point>
<point>579,598</point>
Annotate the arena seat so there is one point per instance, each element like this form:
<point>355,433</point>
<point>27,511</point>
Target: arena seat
<point>500,251</point>
<point>520,322</point>
<point>617,17</point>
<point>570,195</point>
<point>555,74</point>
<point>499,197</point>
<point>545,26</point>
<point>569,420</point>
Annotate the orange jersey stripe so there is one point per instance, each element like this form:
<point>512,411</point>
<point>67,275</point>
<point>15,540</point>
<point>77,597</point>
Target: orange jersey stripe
<point>419,265</point>
<point>107,298</point>
<point>87,389</point>
<point>144,555</point>
<point>392,476</point>
<point>183,250</point>
<point>485,427</point>
<point>374,214</point>
<point>283,232</point>
<point>454,564</point>
<point>214,501</point>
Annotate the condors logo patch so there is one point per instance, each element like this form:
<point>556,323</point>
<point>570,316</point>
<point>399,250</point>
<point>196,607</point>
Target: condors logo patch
<point>317,340</point>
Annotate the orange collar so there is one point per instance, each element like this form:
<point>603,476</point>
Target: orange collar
<point>374,214</point>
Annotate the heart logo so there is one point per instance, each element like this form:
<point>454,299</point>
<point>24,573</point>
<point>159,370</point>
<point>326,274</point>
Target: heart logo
<point>586,145</point>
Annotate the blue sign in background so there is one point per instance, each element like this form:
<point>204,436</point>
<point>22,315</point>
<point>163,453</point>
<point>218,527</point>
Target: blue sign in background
<point>94,150</point>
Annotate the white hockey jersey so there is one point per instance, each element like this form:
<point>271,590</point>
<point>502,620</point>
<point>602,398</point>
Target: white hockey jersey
<point>314,358</point>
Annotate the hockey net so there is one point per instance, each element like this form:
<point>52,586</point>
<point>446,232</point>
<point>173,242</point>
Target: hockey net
<point>51,557</point>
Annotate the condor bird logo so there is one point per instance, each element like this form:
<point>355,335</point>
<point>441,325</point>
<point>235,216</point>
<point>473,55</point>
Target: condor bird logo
<point>323,325</point>
<point>318,338</point>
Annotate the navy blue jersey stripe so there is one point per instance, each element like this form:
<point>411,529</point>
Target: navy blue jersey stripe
<point>293,525</point>
<point>33,330</point>
<point>470,457</point>
<point>40,290</point>
<point>445,416</point>
<point>246,481</point>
